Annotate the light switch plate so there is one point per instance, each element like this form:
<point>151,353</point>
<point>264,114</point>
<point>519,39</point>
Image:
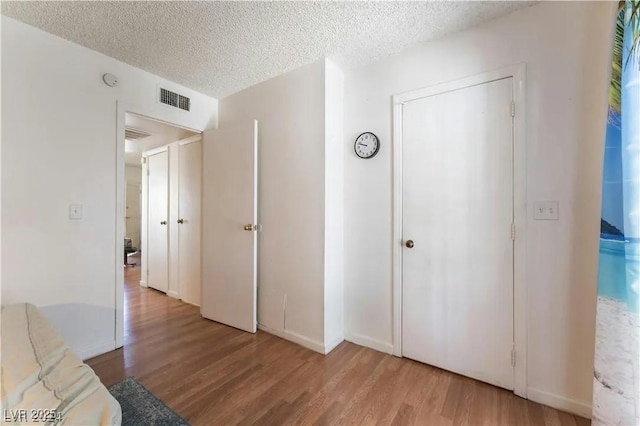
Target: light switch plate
<point>75,211</point>
<point>546,210</point>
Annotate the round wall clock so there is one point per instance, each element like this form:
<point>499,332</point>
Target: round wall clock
<point>366,145</point>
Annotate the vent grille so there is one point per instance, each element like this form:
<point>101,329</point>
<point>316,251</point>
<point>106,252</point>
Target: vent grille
<point>175,99</point>
<point>132,133</point>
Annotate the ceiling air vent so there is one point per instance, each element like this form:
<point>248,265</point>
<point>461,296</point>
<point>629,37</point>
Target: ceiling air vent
<point>132,133</point>
<point>174,99</point>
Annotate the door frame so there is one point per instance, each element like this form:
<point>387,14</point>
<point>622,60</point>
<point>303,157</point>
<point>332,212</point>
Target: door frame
<point>518,73</point>
<point>122,108</point>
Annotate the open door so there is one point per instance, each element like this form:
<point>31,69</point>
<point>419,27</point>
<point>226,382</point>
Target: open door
<point>229,220</point>
<point>157,228</point>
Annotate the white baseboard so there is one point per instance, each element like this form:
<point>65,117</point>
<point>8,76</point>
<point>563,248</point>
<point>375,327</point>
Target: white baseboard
<point>361,340</point>
<point>333,344</point>
<point>295,338</point>
<point>143,284</point>
<point>173,294</point>
<point>95,349</point>
<point>560,402</point>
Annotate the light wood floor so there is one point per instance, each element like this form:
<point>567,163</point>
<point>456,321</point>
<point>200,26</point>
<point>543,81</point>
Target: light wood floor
<point>216,375</point>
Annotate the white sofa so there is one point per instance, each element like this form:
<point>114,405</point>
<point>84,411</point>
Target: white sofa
<point>43,379</point>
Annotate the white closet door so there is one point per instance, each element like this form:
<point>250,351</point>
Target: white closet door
<point>158,213</point>
<point>457,215</point>
<point>189,222</point>
<point>229,246</point>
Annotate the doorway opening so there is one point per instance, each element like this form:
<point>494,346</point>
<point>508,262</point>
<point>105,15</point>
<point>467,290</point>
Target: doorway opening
<point>160,161</point>
<point>174,238</point>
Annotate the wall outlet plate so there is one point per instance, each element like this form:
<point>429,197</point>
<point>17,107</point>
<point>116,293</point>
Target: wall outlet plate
<point>75,211</point>
<point>546,210</point>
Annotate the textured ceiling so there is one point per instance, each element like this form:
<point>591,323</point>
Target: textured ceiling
<point>218,48</point>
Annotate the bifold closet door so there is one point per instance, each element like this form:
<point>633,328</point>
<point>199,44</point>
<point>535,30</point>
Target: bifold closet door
<point>189,222</point>
<point>158,213</point>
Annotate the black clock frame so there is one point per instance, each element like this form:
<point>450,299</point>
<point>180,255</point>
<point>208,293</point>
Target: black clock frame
<point>374,153</point>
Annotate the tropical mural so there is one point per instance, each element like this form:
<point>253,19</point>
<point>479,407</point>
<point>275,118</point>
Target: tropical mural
<point>616,395</point>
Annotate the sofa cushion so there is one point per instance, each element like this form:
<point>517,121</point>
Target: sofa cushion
<point>40,372</point>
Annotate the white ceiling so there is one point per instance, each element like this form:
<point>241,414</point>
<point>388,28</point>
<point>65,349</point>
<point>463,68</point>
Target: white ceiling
<point>218,48</point>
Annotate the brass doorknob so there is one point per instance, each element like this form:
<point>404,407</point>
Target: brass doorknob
<point>164,222</point>
<point>409,244</point>
<point>248,227</point>
<point>180,220</point>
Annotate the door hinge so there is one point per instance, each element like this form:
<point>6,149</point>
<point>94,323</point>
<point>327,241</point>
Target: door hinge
<point>513,108</point>
<point>513,232</point>
<point>513,357</point>
<point>148,172</point>
<point>143,160</point>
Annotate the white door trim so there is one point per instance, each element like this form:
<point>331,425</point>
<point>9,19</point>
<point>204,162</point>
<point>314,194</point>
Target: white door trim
<point>518,73</point>
<point>122,108</point>
<point>190,139</point>
<point>155,151</point>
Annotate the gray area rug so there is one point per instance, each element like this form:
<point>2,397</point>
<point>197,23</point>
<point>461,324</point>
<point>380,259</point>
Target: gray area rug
<point>141,408</point>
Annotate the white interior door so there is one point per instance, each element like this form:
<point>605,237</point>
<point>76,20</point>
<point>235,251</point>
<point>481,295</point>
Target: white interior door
<point>189,222</point>
<point>158,213</point>
<point>229,213</point>
<point>132,213</point>
<point>457,279</point>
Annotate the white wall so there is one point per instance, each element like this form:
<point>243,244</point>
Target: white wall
<point>290,110</point>
<point>133,174</point>
<point>334,207</point>
<point>567,48</point>
<point>59,148</point>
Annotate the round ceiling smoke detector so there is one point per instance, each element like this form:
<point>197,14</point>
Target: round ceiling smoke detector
<point>110,80</point>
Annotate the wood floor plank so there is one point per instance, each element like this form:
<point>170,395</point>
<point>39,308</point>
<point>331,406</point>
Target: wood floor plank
<point>318,409</point>
<point>485,404</point>
<point>452,400</point>
<point>535,414</point>
<point>329,416</point>
<point>462,416</point>
<point>355,405</point>
<point>388,394</point>
<point>212,374</point>
<point>404,416</point>
<point>430,408</point>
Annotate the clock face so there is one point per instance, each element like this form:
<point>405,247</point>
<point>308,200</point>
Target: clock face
<point>366,145</point>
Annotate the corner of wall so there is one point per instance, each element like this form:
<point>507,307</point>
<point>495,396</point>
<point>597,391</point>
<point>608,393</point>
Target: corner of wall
<point>334,206</point>
<point>369,342</point>
<point>96,348</point>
